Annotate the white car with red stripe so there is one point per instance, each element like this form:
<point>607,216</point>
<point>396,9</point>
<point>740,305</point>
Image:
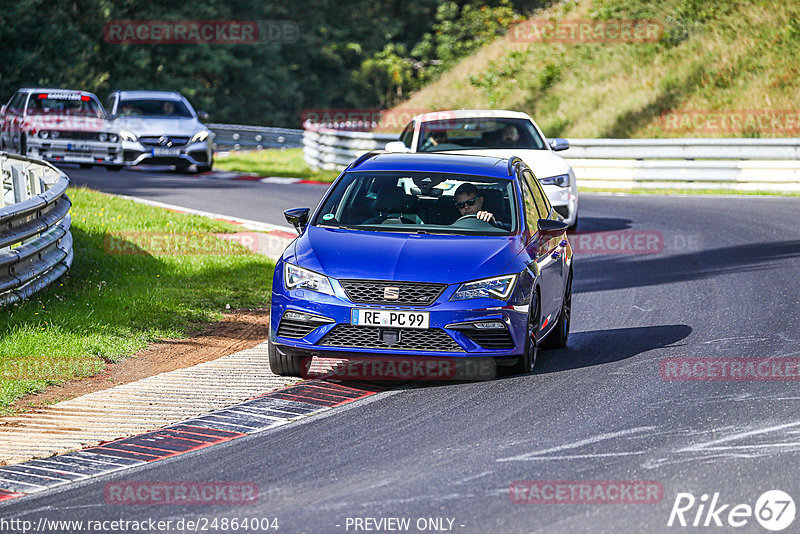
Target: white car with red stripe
<point>61,126</point>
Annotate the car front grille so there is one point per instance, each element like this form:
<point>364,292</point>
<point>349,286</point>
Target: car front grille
<point>156,141</point>
<point>408,293</point>
<point>562,210</point>
<point>368,337</point>
<point>79,136</point>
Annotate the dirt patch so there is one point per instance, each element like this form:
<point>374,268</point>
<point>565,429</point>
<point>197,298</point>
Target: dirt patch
<point>238,330</point>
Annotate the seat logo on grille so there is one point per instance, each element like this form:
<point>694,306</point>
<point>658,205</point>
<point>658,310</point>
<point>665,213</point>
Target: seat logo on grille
<point>391,293</point>
<point>164,141</point>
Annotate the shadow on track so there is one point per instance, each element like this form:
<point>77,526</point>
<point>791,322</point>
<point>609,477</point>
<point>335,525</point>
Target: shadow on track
<point>597,347</point>
<point>602,224</point>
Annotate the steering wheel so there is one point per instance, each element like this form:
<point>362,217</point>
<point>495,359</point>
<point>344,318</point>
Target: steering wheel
<point>468,216</point>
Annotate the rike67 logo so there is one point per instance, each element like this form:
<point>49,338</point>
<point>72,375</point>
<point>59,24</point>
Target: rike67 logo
<point>774,510</point>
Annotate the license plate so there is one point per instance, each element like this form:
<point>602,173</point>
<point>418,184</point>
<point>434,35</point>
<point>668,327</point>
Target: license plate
<point>394,318</point>
<point>166,151</point>
<point>78,148</point>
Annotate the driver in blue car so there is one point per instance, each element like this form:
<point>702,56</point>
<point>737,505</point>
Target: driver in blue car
<point>469,201</point>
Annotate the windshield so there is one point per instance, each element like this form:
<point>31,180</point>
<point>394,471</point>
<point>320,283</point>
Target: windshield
<point>478,133</point>
<point>153,108</point>
<point>72,104</point>
<point>421,202</point>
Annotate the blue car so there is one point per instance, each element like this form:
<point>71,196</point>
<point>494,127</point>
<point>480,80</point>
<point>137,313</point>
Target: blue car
<point>424,255</point>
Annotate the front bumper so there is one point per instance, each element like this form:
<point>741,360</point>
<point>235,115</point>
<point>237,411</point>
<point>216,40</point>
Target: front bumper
<point>564,200</point>
<point>79,151</point>
<point>136,153</point>
<point>448,336</point>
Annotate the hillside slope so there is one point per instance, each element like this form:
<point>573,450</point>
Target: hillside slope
<point>716,69</point>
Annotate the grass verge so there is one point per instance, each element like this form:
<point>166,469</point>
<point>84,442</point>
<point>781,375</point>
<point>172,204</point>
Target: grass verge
<point>273,162</point>
<point>140,274</point>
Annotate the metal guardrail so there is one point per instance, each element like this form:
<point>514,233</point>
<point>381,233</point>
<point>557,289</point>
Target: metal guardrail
<point>35,241</point>
<point>241,137</point>
<point>686,163</point>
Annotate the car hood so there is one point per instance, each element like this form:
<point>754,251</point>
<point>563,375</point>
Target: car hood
<point>155,126</point>
<point>445,259</point>
<point>544,163</point>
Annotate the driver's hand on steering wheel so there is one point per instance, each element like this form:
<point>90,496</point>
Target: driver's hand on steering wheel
<point>485,216</point>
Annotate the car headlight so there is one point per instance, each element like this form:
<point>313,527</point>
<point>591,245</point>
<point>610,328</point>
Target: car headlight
<point>113,138</point>
<point>54,135</point>
<point>125,135</point>
<point>199,136</point>
<point>44,134</point>
<point>562,180</point>
<point>295,277</point>
<point>499,287</point>
<point>102,137</point>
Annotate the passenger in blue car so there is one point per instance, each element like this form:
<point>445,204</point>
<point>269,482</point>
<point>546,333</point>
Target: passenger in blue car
<point>469,201</point>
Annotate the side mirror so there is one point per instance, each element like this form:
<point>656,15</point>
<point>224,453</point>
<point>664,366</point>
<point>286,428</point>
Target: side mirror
<point>396,146</point>
<point>559,143</point>
<point>550,228</point>
<point>3,110</point>
<point>297,217</point>
<point>202,115</point>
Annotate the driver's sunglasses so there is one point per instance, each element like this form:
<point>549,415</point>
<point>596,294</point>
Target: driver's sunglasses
<point>470,202</point>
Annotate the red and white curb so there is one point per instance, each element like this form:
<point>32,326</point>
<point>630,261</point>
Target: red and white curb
<point>262,413</point>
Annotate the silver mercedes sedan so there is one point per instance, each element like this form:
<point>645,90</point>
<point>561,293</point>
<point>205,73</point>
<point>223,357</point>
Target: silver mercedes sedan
<point>161,128</point>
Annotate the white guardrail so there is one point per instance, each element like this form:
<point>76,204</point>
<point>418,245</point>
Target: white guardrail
<point>686,163</point>
<point>243,137</point>
<point>35,241</point>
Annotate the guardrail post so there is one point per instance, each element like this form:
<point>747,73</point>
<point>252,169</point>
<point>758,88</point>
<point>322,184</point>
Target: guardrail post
<point>18,184</point>
<point>34,181</point>
<point>3,175</point>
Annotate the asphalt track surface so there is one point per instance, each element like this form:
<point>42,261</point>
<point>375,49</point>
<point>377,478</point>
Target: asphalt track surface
<point>722,284</point>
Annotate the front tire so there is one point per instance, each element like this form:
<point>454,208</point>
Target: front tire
<point>23,145</point>
<point>206,168</point>
<point>284,365</point>
<point>558,337</point>
<point>527,361</point>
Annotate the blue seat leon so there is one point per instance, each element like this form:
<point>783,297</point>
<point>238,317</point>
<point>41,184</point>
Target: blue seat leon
<point>424,256</point>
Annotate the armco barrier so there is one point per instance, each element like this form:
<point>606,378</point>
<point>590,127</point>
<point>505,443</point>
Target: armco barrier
<point>735,164</point>
<point>35,241</point>
<point>241,137</point>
